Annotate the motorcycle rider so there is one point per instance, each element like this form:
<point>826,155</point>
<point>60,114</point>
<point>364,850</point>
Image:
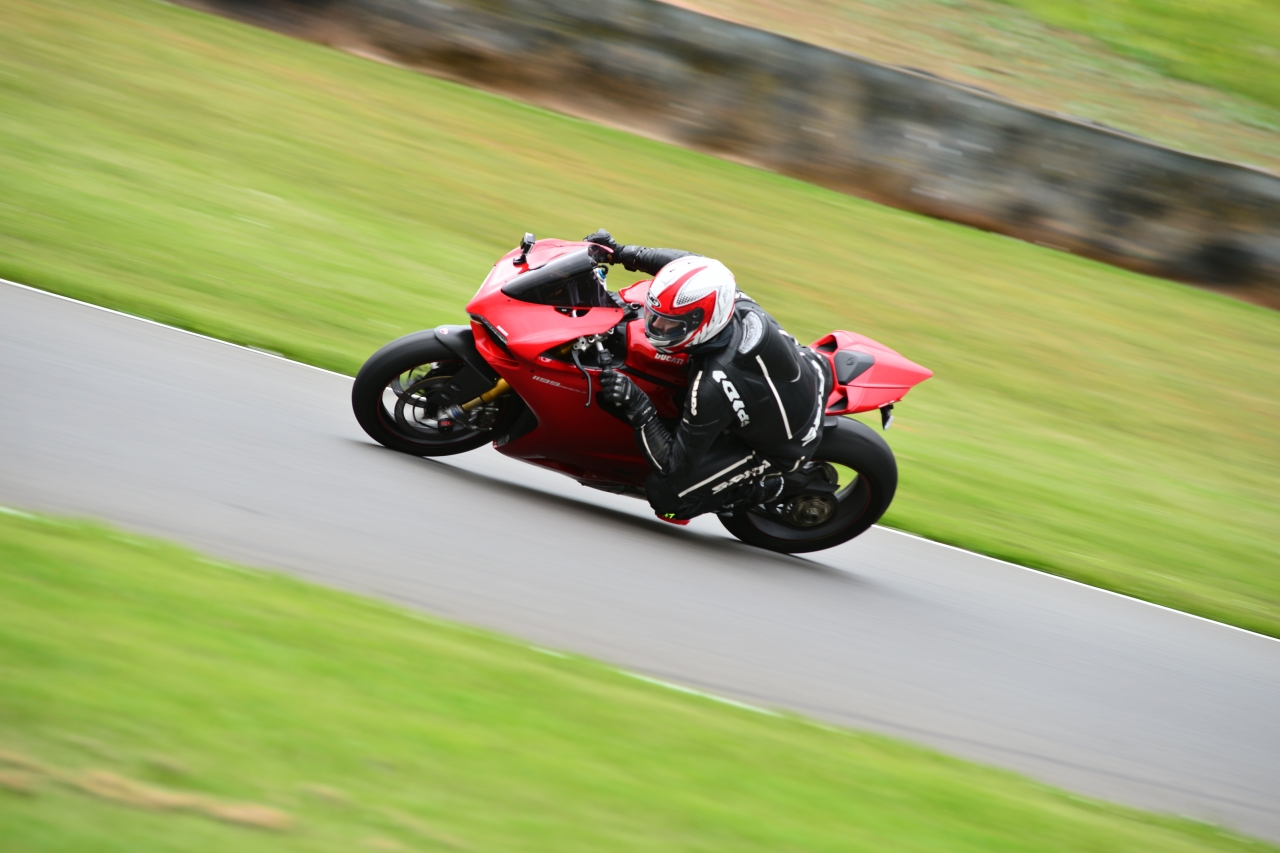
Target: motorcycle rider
<point>756,398</point>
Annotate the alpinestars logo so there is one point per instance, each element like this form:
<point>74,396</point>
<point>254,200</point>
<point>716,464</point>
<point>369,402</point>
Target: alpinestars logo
<point>735,399</point>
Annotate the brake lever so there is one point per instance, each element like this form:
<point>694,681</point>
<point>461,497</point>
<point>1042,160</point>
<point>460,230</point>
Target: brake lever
<point>603,356</point>
<point>577,360</point>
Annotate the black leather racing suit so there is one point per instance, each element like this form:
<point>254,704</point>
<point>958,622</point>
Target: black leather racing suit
<point>754,409</point>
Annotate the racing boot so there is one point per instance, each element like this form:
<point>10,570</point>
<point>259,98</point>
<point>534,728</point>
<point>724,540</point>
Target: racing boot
<point>759,492</point>
<point>811,476</point>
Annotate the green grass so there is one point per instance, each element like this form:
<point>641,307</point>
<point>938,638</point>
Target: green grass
<point>1233,45</point>
<point>371,728</point>
<point>1109,62</point>
<point>1117,429</point>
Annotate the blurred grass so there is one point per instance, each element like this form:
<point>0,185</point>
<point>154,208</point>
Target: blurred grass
<point>365,728</point>
<point>1125,64</point>
<point>1233,45</point>
<point>1117,429</point>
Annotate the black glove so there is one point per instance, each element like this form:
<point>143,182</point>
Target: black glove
<point>618,389</point>
<point>605,241</point>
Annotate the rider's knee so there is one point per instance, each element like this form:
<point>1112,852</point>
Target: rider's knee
<point>662,497</point>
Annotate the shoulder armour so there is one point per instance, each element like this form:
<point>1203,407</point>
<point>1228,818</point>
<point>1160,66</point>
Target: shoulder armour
<point>752,331</point>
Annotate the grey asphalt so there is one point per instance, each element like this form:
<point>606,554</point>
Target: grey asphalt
<point>256,459</point>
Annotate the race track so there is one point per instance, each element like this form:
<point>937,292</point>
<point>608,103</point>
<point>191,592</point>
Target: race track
<point>257,459</point>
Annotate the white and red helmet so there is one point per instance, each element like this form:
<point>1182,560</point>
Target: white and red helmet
<point>690,301</point>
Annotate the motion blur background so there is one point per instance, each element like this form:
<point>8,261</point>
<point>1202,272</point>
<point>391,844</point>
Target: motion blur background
<point>1104,406</point>
<point>898,135</point>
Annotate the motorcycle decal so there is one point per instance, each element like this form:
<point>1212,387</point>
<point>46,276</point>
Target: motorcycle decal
<point>674,359</point>
<point>735,399</point>
<point>547,381</point>
<point>738,478</point>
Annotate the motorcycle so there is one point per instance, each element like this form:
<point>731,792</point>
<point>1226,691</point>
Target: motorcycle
<point>524,375</point>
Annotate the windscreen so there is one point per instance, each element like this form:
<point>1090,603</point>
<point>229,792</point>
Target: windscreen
<point>569,281</point>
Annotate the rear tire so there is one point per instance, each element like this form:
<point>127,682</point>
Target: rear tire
<point>410,365</point>
<point>853,445</point>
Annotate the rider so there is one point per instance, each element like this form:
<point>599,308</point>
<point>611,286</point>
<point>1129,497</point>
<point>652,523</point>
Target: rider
<point>756,397</point>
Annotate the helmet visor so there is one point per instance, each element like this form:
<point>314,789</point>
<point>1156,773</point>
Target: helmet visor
<point>665,330</point>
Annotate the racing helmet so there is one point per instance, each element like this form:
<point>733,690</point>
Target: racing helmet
<point>690,300</point>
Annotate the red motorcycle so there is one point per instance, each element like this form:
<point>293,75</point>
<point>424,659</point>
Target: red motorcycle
<point>525,373</point>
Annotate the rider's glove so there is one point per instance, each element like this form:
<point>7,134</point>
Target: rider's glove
<point>604,248</point>
<point>617,388</point>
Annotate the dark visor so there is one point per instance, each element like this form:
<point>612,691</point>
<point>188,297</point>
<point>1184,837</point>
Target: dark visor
<point>666,330</point>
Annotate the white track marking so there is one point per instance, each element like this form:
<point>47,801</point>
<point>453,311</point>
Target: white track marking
<point>889,529</point>
<point>1080,583</point>
<point>682,689</point>
<point>171,328</point>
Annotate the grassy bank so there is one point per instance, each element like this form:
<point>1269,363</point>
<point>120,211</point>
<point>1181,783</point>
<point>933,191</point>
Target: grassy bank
<point>154,700</point>
<point>1201,77</point>
<point>1121,430</point>
<point>1233,46</point>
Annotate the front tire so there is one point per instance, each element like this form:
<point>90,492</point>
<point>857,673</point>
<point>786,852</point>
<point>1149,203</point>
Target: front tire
<point>392,398</point>
<point>859,450</point>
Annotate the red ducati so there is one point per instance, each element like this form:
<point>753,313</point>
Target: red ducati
<point>524,375</point>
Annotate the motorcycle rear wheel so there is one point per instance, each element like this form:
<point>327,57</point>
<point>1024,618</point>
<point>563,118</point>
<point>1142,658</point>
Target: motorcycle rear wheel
<point>391,398</point>
<point>860,502</point>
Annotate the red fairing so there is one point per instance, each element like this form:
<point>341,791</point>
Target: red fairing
<point>586,443</point>
<point>885,381</point>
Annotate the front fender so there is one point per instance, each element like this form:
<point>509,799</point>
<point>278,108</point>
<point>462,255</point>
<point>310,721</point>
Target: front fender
<point>461,341</point>
<point>438,344</point>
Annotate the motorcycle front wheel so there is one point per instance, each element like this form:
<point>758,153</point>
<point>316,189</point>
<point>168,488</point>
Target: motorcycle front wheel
<point>394,399</point>
<point>868,477</point>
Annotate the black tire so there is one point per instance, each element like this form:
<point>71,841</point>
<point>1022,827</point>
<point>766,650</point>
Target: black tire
<point>423,357</point>
<point>861,503</point>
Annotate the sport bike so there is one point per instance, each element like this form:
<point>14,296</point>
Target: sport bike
<point>524,376</point>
